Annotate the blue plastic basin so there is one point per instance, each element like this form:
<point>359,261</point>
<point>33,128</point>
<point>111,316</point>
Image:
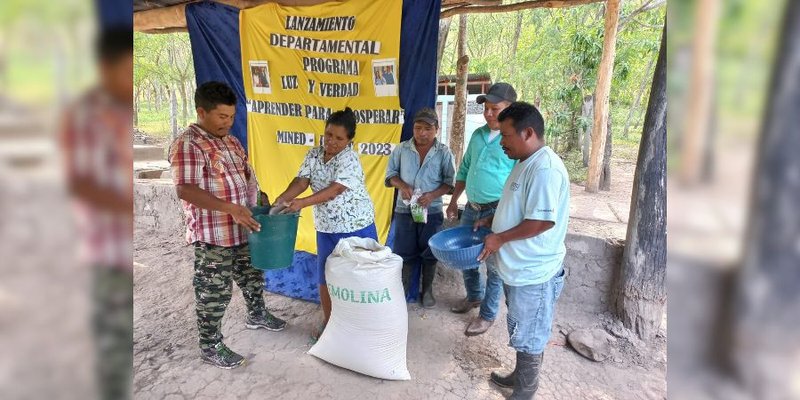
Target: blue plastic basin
<point>458,247</point>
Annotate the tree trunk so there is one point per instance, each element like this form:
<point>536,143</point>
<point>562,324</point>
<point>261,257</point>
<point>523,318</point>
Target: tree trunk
<point>444,29</point>
<point>159,96</point>
<point>152,95</point>
<point>640,293</point>
<point>136,103</point>
<point>184,104</point>
<point>693,142</point>
<point>602,91</point>
<point>572,135</point>
<point>639,93</point>
<point>587,112</point>
<point>555,141</point>
<point>766,348</point>
<point>707,171</point>
<point>515,42</point>
<point>605,175</point>
<point>61,78</point>
<point>173,113</point>
<point>460,107</point>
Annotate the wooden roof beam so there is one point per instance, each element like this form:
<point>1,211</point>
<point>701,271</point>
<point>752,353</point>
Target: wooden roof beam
<point>173,18</point>
<point>527,5</point>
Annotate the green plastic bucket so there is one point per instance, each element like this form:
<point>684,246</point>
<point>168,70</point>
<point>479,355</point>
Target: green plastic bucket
<point>273,246</point>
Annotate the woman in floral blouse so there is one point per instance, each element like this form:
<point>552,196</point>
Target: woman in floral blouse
<point>342,206</point>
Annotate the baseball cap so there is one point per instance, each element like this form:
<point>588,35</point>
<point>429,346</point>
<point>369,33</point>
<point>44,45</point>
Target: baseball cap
<point>498,92</point>
<point>428,115</point>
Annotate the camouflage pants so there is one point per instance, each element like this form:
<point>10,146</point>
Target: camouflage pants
<point>214,269</point>
<point>112,320</point>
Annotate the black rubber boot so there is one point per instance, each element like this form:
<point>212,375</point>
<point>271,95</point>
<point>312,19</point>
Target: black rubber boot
<point>506,381</point>
<point>526,376</point>
<point>407,269</point>
<point>428,273</point>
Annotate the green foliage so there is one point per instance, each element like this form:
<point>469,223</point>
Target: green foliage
<point>45,49</point>
<point>573,161</point>
<point>557,58</point>
<point>162,62</point>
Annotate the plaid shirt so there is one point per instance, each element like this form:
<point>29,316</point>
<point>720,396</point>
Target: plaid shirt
<point>96,138</point>
<point>218,166</point>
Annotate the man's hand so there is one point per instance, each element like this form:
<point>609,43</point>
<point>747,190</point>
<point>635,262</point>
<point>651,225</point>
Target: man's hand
<point>452,210</point>
<point>406,191</point>
<point>425,200</point>
<point>243,216</point>
<point>482,223</point>
<point>491,243</point>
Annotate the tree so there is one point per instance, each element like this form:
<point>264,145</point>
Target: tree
<point>764,348</point>
<point>602,91</point>
<point>639,292</point>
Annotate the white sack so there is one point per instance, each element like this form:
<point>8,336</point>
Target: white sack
<point>368,328</point>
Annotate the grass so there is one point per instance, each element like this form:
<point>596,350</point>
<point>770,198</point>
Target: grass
<point>156,122</point>
<point>622,148</point>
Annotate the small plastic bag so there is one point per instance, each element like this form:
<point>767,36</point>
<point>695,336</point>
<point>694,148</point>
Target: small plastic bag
<point>418,213</point>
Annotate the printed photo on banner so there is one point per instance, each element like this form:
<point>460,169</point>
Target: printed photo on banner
<point>384,77</point>
<point>259,71</point>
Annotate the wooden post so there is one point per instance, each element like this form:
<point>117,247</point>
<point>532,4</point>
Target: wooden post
<point>602,91</point>
<point>694,138</point>
<point>460,106</point>
<point>639,293</point>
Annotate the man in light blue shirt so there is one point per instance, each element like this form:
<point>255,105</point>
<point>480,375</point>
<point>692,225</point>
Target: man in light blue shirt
<point>527,244</point>
<point>425,164</point>
<point>483,173</point>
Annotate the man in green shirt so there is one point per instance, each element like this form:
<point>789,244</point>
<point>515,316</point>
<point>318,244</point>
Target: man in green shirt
<point>482,174</point>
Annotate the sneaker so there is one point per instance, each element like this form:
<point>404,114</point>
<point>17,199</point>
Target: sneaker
<point>221,356</point>
<point>266,321</point>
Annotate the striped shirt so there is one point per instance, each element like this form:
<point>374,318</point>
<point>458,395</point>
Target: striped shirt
<point>218,166</point>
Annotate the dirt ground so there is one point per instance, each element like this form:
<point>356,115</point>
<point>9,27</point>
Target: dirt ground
<point>444,363</point>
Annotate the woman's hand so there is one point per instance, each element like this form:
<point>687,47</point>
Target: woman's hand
<point>294,206</point>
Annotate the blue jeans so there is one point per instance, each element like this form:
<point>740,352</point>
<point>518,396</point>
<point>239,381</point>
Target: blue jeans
<point>489,294</point>
<point>530,313</point>
<point>411,238</point>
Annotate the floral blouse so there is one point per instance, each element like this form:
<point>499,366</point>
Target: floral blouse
<point>350,211</point>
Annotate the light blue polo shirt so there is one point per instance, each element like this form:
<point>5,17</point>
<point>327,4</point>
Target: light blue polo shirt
<point>484,168</point>
<point>537,189</point>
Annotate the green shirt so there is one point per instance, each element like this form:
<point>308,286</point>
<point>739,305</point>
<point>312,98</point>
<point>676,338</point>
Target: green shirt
<point>484,167</point>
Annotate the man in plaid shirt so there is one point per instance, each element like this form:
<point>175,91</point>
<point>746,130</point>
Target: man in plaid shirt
<point>216,186</point>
